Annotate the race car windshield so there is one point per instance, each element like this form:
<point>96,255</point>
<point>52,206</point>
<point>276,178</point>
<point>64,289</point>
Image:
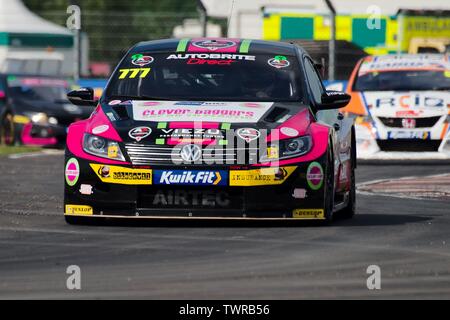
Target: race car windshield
<point>207,76</point>
<point>37,89</point>
<point>403,80</point>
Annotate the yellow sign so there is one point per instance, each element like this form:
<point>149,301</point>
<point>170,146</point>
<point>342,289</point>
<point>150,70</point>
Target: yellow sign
<point>427,27</point>
<point>133,72</point>
<point>74,210</point>
<point>260,177</point>
<point>308,214</point>
<point>385,34</point>
<point>122,175</point>
<point>113,151</point>
<point>272,153</point>
<point>21,119</point>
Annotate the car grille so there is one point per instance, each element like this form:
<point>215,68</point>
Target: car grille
<point>167,155</point>
<point>192,198</point>
<point>409,145</point>
<point>420,122</point>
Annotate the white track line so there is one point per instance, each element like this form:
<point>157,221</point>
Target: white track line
<point>370,193</point>
<point>36,154</point>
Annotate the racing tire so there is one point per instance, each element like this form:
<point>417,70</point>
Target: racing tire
<point>82,221</point>
<point>328,205</point>
<point>350,209</point>
<point>7,130</point>
<point>73,220</point>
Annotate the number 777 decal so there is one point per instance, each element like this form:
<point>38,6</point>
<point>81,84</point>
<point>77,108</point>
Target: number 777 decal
<point>133,72</point>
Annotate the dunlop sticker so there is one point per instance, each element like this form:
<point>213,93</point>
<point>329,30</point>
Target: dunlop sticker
<point>75,210</point>
<point>308,214</point>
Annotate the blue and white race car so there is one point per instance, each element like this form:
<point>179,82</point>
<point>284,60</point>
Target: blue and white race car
<point>401,105</point>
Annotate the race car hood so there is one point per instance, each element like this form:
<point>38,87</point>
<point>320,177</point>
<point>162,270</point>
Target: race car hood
<point>159,122</point>
<point>407,103</point>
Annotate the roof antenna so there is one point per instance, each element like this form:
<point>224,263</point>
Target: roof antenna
<point>229,18</point>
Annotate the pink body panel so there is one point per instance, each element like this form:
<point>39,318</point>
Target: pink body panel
<point>29,140</point>
<point>100,119</point>
<point>319,134</point>
<point>76,133</point>
<point>299,122</point>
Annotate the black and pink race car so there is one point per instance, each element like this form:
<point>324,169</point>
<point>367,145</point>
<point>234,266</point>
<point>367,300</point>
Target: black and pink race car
<point>34,110</point>
<point>211,128</point>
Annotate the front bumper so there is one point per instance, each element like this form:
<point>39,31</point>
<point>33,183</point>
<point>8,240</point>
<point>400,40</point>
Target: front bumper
<point>93,195</point>
<point>43,134</point>
<point>371,146</point>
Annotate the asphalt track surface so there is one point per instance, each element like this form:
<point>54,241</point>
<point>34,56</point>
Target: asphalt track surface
<point>408,239</point>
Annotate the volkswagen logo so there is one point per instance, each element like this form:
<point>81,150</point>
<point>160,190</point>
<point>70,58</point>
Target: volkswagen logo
<point>191,153</point>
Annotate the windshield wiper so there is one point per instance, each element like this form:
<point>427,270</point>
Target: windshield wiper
<point>126,97</point>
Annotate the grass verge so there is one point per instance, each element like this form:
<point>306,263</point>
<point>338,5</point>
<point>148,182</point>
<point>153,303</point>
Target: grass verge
<point>7,150</point>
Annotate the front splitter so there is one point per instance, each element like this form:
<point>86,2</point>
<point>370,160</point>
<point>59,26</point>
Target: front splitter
<point>168,218</point>
<point>394,155</point>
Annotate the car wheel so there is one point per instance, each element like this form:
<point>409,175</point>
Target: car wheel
<point>329,189</point>
<point>349,211</point>
<point>84,221</point>
<point>7,130</point>
<point>72,220</point>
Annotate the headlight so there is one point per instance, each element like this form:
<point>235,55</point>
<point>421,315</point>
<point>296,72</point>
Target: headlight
<point>289,148</point>
<point>53,120</point>
<point>294,147</point>
<point>362,119</point>
<point>37,117</point>
<point>102,147</point>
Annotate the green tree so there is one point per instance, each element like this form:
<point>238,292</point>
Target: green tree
<point>114,25</point>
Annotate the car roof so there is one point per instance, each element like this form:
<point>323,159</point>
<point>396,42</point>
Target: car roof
<point>399,62</point>
<point>235,46</point>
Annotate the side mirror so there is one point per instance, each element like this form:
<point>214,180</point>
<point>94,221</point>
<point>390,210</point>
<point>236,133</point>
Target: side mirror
<point>82,97</point>
<point>334,100</point>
